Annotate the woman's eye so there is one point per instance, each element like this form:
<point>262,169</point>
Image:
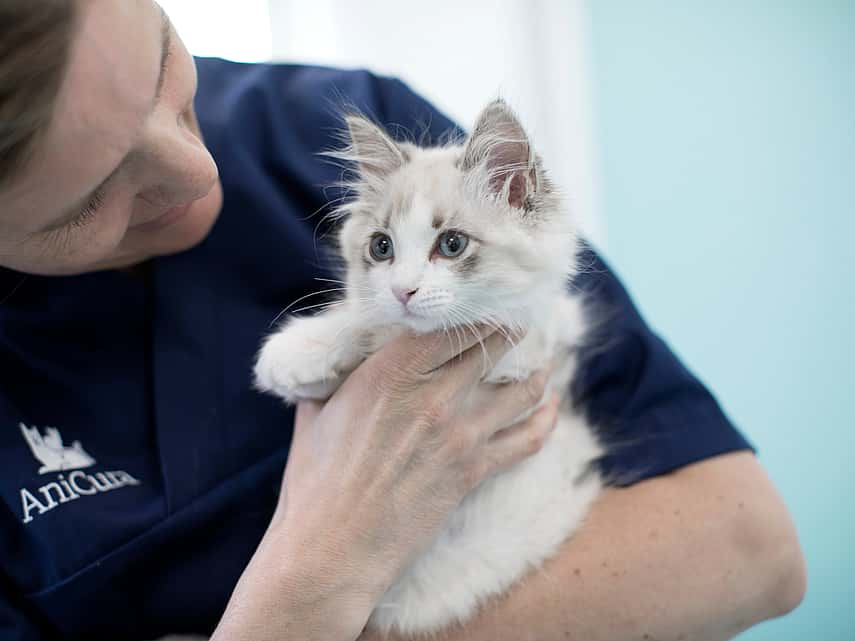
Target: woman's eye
<point>90,209</point>
<point>381,247</point>
<point>452,243</point>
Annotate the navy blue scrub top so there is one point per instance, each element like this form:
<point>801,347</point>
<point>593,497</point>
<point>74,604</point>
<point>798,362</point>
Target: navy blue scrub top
<point>139,468</point>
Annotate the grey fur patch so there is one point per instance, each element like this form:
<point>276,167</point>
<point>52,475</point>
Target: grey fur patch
<point>468,265</point>
<point>590,471</point>
<point>400,204</point>
<point>529,204</point>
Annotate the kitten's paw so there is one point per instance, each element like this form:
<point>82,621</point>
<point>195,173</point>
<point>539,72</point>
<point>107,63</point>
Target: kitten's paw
<point>296,366</point>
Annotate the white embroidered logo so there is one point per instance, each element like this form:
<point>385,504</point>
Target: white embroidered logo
<point>54,456</point>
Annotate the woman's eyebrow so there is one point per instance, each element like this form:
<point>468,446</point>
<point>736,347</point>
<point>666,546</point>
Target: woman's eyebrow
<point>166,44</point>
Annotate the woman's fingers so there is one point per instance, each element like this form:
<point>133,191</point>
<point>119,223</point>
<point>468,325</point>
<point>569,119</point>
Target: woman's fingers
<point>476,362</point>
<point>444,367</point>
<point>423,354</point>
<point>507,403</point>
<point>513,444</point>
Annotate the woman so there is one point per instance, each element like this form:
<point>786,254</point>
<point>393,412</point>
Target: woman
<point>143,473</point>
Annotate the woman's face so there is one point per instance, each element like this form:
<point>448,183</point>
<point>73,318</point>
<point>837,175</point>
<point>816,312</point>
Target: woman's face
<point>121,174</point>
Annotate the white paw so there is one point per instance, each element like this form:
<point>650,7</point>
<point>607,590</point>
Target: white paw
<point>295,365</point>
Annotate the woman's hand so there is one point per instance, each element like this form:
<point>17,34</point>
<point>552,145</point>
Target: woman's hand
<point>374,473</point>
<point>383,463</point>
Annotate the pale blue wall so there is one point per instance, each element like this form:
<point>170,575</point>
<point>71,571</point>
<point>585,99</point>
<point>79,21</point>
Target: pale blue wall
<point>726,134</point>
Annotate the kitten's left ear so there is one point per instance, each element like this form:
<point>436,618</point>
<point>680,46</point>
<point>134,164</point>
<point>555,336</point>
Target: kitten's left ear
<point>376,154</point>
<point>500,147</point>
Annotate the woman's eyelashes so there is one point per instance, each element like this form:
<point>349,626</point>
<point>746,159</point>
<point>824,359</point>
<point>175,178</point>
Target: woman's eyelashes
<point>88,212</point>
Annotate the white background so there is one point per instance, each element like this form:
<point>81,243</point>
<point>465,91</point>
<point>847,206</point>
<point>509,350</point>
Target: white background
<point>458,55</point>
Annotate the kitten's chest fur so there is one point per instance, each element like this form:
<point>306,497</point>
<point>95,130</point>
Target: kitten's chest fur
<point>515,519</point>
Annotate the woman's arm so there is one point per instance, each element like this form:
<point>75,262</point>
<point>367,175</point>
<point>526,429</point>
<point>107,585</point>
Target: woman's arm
<point>295,588</point>
<point>372,475</point>
<point>697,555</point>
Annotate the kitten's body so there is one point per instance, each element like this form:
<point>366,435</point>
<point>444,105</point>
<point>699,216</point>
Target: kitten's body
<point>513,271</point>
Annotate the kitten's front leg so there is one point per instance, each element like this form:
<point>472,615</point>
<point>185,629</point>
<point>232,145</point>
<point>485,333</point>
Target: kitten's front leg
<point>310,356</point>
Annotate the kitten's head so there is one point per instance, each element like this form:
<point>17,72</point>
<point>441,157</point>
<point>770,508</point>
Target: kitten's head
<point>443,236</point>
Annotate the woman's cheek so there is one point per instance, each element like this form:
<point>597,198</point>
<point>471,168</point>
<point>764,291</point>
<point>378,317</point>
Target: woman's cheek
<point>105,234</point>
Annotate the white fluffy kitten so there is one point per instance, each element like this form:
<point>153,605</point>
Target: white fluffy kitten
<point>437,238</point>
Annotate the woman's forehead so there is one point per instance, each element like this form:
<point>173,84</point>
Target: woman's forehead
<point>103,103</point>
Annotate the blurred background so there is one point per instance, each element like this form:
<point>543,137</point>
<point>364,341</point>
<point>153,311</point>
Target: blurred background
<point>708,149</point>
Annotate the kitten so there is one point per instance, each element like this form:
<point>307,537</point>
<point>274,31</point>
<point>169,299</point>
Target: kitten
<point>477,234</point>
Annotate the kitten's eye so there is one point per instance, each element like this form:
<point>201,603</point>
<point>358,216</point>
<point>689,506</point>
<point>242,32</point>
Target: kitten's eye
<point>381,247</point>
<point>452,243</point>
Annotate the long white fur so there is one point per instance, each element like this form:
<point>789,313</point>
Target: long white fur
<point>493,187</point>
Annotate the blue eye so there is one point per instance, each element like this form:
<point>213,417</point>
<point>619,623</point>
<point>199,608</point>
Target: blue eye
<point>381,247</point>
<point>452,243</point>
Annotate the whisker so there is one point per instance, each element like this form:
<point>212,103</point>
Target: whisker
<point>327,304</point>
<point>325,291</point>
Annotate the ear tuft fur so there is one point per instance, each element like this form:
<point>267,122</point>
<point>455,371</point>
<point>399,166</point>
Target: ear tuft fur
<point>499,150</point>
<point>375,153</point>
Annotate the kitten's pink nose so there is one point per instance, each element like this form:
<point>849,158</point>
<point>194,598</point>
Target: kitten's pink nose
<point>404,295</point>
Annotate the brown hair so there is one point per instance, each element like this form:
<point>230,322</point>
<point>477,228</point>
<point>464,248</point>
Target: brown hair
<point>35,38</point>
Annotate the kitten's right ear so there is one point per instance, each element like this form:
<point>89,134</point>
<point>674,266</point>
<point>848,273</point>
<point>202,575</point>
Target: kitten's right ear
<point>500,150</point>
<point>375,153</point>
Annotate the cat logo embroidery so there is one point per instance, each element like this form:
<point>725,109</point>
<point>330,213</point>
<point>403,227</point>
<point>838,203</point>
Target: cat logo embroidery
<point>54,456</point>
<point>50,451</point>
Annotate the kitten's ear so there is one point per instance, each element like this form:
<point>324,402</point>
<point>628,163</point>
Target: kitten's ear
<point>376,154</point>
<point>500,148</point>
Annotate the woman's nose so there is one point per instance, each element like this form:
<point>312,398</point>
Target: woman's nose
<point>181,169</point>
